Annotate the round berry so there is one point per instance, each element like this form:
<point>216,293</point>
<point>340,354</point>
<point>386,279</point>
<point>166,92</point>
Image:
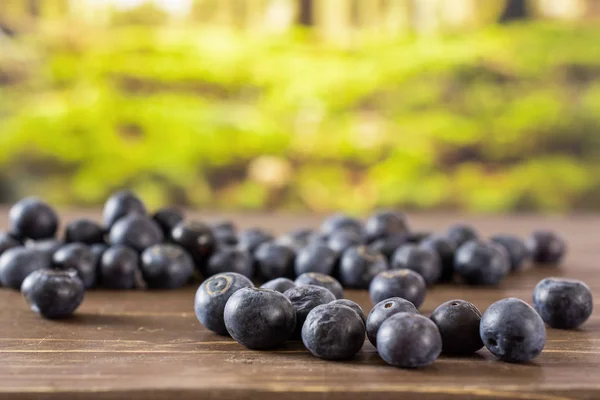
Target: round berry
<point>167,218</point>
<point>211,297</point>
<point>546,247</point>
<point>354,306</point>
<point>197,239</point>
<point>382,311</point>
<point>421,260</point>
<point>445,250</point>
<point>333,332</point>
<point>7,242</point>
<point>79,257</point>
<point>251,239</point>
<point>230,260</point>
<point>84,231</point>
<point>279,284</point>
<point>121,204</point>
<point>319,279</point>
<point>481,263</point>
<point>359,265</point>
<point>18,262</point>
<point>409,340</point>
<point>460,234</point>
<point>32,218</point>
<point>512,330</point>
<point>118,268</point>
<point>304,299</point>
<point>515,248</point>
<point>274,261</point>
<point>389,244</point>
<point>342,240</point>
<point>259,318</point>
<point>297,239</point>
<point>166,266</point>
<point>403,283</point>
<point>52,293</point>
<point>563,303</point>
<point>315,258</point>
<point>225,233</point>
<point>136,231</point>
<point>341,222</point>
<point>458,323</point>
<point>385,223</point>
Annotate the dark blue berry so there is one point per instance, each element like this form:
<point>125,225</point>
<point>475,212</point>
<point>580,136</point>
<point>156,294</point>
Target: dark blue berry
<point>515,247</point>
<point>167,218</point>
<point>79,257</point>
<point>211,297</point>
<point>225,233</point>
<point>481,263</point>
<point>389,244</point>
<point>297,239</point>
<point>323,280</point>
<point>274,261</point>
<point>512,330</point>
<point>342,240</point>
<point>32,218</point>
<point>385,223</point>
<point>259,318</point>
<point>333,332</point>
<point>382,311</point>
<point>52,293</point>
<point>445,250</point>
<point>251,239</point>
<point>417,237</point>
<point>46,246</point>
<point>304,299</point>
<point>315,258</point>
<point>197,239</point>
<point>458,323</point>
<point>354,306</point>
<point>403,283</point>
<point>136,231</point>
<point>409,340</point>
<point>359,265</point>
<point>341,222</point>
<point>7,242</point>
<point>166,266</point>
<point>230,260</point>
<point>546,247</point>
<point>84,231</point>
<point>121,204</point>
<point>18,262</point>
<point>460,234</point>
<point>419,259</point>
<point>119,267</point>
<point>563,303</point>
<point>279,284</point>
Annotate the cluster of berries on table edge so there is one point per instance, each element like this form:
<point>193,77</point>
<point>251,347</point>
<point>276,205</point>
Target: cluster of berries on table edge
<point>304,274</point>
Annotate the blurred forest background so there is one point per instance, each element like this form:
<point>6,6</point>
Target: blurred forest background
<point>477,105</point>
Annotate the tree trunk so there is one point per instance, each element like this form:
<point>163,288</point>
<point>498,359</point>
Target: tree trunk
<point>514,10</point>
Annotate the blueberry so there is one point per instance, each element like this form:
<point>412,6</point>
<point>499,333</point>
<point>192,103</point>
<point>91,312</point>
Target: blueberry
<point>315,258</point>
<point>297,239</point>
<point>333,332</point>
<point>445,250</point>
<point>403,283</point>
<point>32,218</point>
<point>279,284</point>
<point>166,266</point>
<point>382,311</point>
<point>197,239</point>
<point>460,234</point>
<point>342,240</point>
<point>512,330</point>
<point>136,231</point>
<point>167,218</point>
<point>515,247</point>
<point>211,297</point>
<point>481,263</point>
<point>419,259</point>
<point>417,237</point>
<point>79,257</point>
<point>458,323</point>
<point>304,299</point>
<point>18,262</point>
<point>259,318</point>
<point>7,242</point>
<point>546,247</point>
<point>98,250</point>
<point>52,293</point>
<point>230,260</point>
<point>354,306</point>
<point>225,233</point>
<point>385,223</point>
<point>563,303</point>
<point>121,204</point>
<point>84,231</point>
<point>359,265</point>
<point>251,239</point>
<point>118,268</point>
<point>323,280</point>
<point>339,222</point>
<point>409,340</point>
<point>274,261</point>
<point>389,244</point>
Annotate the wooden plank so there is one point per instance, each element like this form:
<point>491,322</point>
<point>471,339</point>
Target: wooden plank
<point>148,344</point>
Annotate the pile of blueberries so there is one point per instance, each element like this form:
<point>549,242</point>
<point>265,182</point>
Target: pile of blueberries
<point>305,273</point>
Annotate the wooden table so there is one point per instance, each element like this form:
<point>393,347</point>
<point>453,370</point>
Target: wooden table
<point>144,345</point>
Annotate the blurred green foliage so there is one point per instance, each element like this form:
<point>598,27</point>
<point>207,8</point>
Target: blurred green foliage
<point>505,118</point>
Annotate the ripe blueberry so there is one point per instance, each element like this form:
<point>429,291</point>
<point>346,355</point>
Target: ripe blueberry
<point>419,259</point>
<point>342,240</point>
<point>315,258</point>
<point>279,284</point>
<point>32,218</point>
<point>461,234</point>
<point>166,266</point>
<point>481,263</point>
<point>136,231</point>
<point>515,247</point>
<point>52,293</point>
<point>251,239</point>
<point>319,279</point>
<point>118,268</point>
<point>79,257</point>
<point>84,231</point>
<point>7,242</point>
<point>403,283</point>
<point>225,233</point>
<point>18,262</point>
<point>197,239</point>
<point>304,299</point>
<point>563,303</point>
<point>354,306</point>
<point>458,323</point>
<point>389,244</point>
<point>382,311</point>
<point>445,250</point>
<point>341,222</point>
<point>121,204</point>
<point>167,218</point>
<point>385,223</point>
<point>274,261</point>
<point>359,265</point>
<point>230,259</point>
<point>546,247</point>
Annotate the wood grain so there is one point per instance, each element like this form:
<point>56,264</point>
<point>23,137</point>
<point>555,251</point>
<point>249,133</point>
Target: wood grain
<point>143,345</point>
